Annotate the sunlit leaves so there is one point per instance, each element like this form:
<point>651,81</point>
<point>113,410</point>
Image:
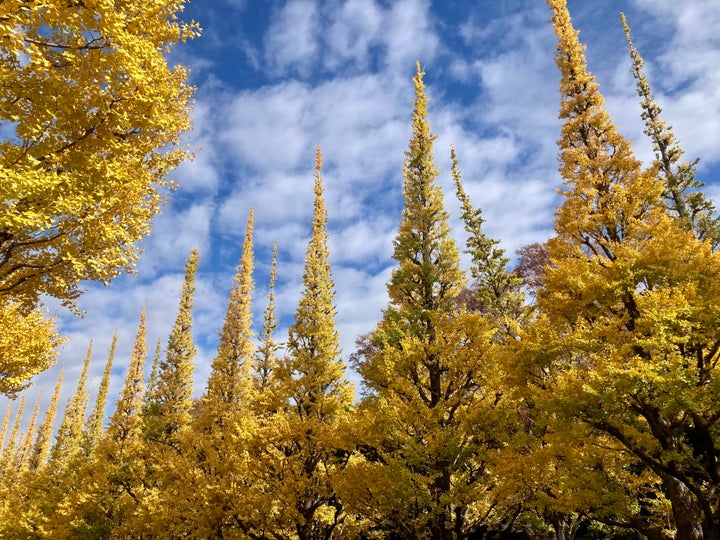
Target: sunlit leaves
<point>27,345</point>
<point>97,113</point>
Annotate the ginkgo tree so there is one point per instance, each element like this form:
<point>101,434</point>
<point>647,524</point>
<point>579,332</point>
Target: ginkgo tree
<point>686,202</point>
<point>593,402</point>
<point>91,115</point>
<point>94,107</point>
<point>432,416</point>
<point>624,350</point>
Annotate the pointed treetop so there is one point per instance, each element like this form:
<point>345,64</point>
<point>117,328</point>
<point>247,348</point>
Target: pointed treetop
<point>229,374</point>
<point>312,375</point>
<point>419,154</point>
<point>26,445</point>
<point>41,450</point>
<point>265,357</point>
<point>154,368</point>
<point>320,212</point>
<point>93,429</point>
<point>691,207</point>
<point>181,349</point>
<point>6,422</point>
<point>171,402</point>
<point>428,276</point>
<point>125,420</point>
<point>496,289</point>
<point>318,159</point>
<point>487,259</point>
<point>607,191</point>
<point>69,436</point>
<point>315,315</point>
<point>9,452</point>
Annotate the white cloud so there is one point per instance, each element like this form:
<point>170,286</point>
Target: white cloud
<point>693,48</point>
<point>692,90</point>
<point>353,30</point>
<point>292,41</point>
<point>200,175</point>
<point>280,200</point>
<point>364,243</point>
<point>409,36</point>
<point>175,232</point>
<point>265,129</point>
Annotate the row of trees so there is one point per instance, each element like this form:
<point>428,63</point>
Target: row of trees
<point>576,396</point>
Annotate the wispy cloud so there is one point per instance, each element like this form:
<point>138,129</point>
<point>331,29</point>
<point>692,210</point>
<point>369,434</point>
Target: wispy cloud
<point>292,41</point>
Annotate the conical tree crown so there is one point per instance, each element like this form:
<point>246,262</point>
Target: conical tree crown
<point>94,427</point>
<point>426,283</point>
<point>125,421</point>
<point>9,455</point>
<point>41,450</point>
<point>313,371</point>
<point>265,355</point>
<point>114,481</point>
<point>496,291</point>
<point>5,424</point>
<point>69,436</point>
<point>428,276</point>
<point>171,401</point>
<point>152,378</point>
<point>229,375</point>
<point>26,446</point>
<point>608,196</point>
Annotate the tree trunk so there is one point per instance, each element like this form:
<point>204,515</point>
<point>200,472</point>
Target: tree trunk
<point>686,512</point>
<point>565,525</point>
<point>441,527</point>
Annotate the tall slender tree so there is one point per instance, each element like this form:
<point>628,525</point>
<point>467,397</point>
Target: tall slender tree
<point>112,482</point>
<point>200,498</point>
<point>5,424</point>
<point>10,449</point>
<point>9,473</point>
<point>230,371</point>
<point>496,291</point>
<point>266,352</point>
<point>311,377</point>
<point>26,442</point>
<point>41,450</point>
<point>170,403</point>
<point>69,437</point>
<point>429,371</point>
<point>301,443</point>
<point>167,414</point>
<point>94,427</point>
<point>686,202</point>
<point>152,378</point>
<point>428,276</point>
<point>125,423</point>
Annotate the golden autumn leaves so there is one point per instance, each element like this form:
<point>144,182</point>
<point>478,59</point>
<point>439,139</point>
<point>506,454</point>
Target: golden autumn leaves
<point>97,114</point>
<point>592,404</point>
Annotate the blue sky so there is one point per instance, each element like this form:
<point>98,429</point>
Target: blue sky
<point>275,78</point>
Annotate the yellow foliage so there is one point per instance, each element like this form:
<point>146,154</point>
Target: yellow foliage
<point>97,113</point>
<point>27,346</point>
<point>625,347</point>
